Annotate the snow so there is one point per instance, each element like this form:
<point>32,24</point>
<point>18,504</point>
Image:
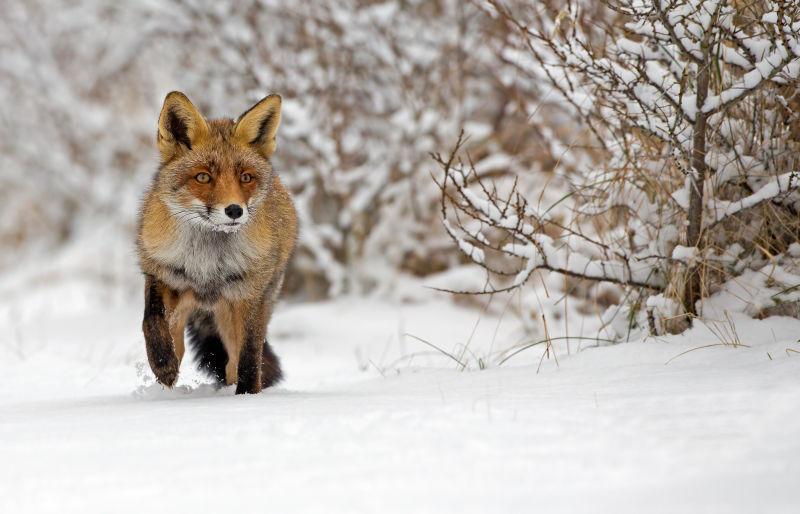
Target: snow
<point>770,17</point>
<point>685,253</point>
<point>372,420</point>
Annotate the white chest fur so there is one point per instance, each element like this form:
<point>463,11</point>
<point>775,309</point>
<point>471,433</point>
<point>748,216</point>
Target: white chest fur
<point>207,261</point>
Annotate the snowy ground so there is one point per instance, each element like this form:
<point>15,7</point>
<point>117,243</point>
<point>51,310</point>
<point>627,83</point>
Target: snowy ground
<point>370,419</point>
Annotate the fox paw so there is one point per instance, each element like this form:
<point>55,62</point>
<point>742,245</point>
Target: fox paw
<point>248,387</point>
<point>166,370</point>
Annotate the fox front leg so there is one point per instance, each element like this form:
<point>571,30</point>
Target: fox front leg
<point>252,352</point>
<point>158,341</point>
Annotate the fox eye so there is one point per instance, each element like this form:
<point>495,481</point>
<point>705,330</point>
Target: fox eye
<point>203,178</point>
<point>246,177</point>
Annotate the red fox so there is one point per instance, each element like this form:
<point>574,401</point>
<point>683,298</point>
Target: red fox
<point>216,231</point>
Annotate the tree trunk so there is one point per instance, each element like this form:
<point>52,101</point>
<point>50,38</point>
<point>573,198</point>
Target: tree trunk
<point>693,284</point>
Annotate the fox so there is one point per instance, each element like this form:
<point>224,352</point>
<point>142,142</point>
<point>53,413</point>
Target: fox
<point>216,231</point>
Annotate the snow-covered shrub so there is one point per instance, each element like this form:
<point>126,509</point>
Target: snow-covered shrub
<point>692,109</point>
<point>369,88</point>
<point>75,120</point>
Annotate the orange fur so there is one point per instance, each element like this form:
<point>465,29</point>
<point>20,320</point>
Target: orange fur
<point>196,256</point>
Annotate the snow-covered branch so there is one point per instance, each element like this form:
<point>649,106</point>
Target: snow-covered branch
<point>774,189</point>
<point>510,228</point>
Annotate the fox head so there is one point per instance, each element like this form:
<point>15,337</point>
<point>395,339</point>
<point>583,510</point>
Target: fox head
<point>215,173</point>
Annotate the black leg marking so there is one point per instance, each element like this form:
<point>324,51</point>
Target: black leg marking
<point>158,341</point>
<point>271,372</point>
<point>249,381</point>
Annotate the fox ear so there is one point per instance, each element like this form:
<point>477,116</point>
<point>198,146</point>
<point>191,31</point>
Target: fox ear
<point>258,125</point>
<point>180,126</point>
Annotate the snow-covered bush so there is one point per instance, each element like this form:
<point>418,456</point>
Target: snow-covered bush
<point>75,120</point>
<point>692,109</point>
<point>369,88</point>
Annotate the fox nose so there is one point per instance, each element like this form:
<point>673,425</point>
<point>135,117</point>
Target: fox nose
<point>233,211</point>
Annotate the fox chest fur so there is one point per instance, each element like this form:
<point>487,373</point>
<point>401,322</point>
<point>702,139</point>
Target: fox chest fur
<point>210,263</point>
